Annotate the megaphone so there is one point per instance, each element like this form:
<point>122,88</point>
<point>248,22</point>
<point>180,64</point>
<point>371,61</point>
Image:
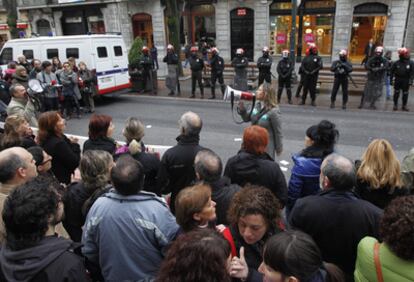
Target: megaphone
<point>236,95</point>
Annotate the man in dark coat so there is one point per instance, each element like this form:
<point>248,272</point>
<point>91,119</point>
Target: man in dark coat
<point>403,71</point>
<point>146,64</point>
<point>208,168</point>
<point>284,71</point>
<point>33,252</point>
<point>311,65</point>
<point>177,163</point>
<point>336,218</point>
<point>369,51</point>
<point>197,66</point>
<point>240,64</point>
<point>264,64</point>
<point>154,57</point>
<point>341,68</point>
<point>217,68</point>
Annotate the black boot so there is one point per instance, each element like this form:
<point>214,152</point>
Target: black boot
<point>332,105</point>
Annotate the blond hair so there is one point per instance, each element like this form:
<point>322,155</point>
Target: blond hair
<point>380,167</point>
<point>269,95</point>
<point>133,132</point>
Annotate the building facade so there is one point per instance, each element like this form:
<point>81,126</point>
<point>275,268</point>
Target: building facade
<point>231,24</point>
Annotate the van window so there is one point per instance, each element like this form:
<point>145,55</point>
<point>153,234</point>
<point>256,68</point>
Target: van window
<point>52,53</point>
<point>102,53</point>
<point>6,56</point>
<point>72,52</point>
<point>28,54</point>
<point>118,51</point>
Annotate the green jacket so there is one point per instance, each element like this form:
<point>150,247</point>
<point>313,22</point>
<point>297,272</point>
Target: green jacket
<point>393,267</point>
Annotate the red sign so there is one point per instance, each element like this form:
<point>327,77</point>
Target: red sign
<point>309,38</point>
<point>281,38</point>
<point>4,27</point>
<point>241,12</point>
<point>22,25</point>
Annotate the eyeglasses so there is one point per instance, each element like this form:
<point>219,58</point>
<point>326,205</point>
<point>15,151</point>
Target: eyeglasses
<point>46,161</point>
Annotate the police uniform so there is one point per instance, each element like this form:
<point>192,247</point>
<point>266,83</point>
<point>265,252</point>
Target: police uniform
<point>377,67</point>
<point>217,68</point>
<point>197,66</point>
<point>403,72</point>
<point>264,65</point>
<point>341,68</point>
<point>310,66</point>
<point>284,71</point>
<point>171,80</point>
<point>146,65</point>
<point>240,80</point>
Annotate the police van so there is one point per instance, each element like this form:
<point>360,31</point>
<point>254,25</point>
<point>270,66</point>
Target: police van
<point>104,54</point>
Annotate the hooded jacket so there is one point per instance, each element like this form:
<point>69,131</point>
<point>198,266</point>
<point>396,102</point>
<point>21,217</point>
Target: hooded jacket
<point>261,170</point>
<point>52,259</point>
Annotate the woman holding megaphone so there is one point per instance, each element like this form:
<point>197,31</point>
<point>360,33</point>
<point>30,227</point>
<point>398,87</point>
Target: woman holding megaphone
<point>267,115</point>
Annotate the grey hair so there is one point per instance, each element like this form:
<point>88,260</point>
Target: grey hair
<point>190,124</point>
<point>94,168</point>
<point>208,165</point>
<point>340,171</point>
<point>8,166</point>
<point>13,88</point>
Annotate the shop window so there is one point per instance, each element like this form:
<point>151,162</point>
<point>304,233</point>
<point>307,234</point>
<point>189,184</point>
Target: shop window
<point>72,52</point>
<point>51,53</point>
<point>318,29</point>
<point>102,53</point>
<point>280,31</point>
<point>6,56</point>
<point>118,51</point>
<point>28,54</point>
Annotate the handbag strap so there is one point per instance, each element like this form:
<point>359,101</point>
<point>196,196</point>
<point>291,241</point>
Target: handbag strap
<point>377,262</point>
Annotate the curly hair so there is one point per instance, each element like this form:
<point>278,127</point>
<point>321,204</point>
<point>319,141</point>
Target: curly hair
<point>397,227</point>
<point>11,136</point>
<point>196,256</point>
<point>253,199</point>
<point>27,210</point>
<point>189,201</point>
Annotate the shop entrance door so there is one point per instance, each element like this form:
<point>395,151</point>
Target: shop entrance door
<point>242,31</point>
<point>142,26</point>
<point>363,29</point>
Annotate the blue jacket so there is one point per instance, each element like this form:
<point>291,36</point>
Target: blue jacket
<point>127,235</point>
<point>304,180</point>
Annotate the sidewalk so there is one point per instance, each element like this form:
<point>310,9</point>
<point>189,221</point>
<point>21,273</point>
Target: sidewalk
<point>323,99</point>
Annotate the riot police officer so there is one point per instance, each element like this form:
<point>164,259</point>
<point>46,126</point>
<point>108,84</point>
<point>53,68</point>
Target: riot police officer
<point>403,71</point>
<point>240,64</point>
<point>284,70</point>
<point>341,68</point>
<point>146,65</point>
<point>264,64</point>
<point>217,67</point>
<point>311,65</point>
<point>197,66</point>
<point>172,64</point>
<point>377,67</point>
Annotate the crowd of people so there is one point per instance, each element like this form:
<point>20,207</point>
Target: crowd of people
<point>65,87</point>
<point>111,212</point>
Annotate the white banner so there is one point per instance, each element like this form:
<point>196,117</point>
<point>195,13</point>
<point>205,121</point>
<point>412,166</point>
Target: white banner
<point>69,1</point>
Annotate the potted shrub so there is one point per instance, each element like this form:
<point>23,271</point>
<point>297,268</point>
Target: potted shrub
<point>134,69</point>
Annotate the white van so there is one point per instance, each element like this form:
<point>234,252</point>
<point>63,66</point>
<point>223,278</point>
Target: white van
<point>105,54</point>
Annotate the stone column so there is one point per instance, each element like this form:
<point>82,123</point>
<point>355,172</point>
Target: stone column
<point>57,16</point>
<point>343,26</point>
<point>409,39</point>
<point>223,29</point>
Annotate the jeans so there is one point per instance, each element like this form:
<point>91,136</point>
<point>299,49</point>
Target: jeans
<point>388,85</point>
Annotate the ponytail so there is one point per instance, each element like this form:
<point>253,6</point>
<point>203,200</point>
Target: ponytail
<point>134,147</point>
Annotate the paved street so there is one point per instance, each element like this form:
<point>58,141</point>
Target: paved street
<point>220,133</point>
